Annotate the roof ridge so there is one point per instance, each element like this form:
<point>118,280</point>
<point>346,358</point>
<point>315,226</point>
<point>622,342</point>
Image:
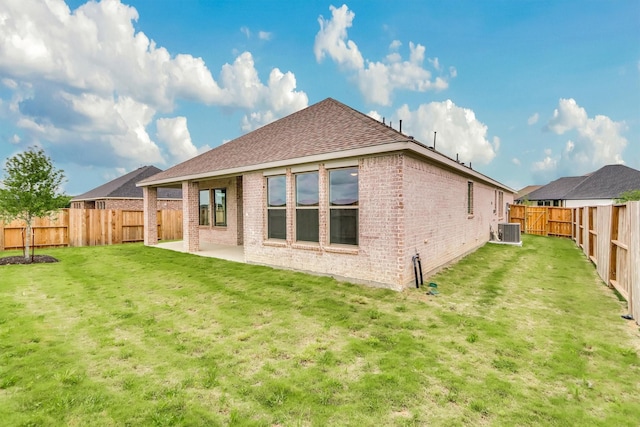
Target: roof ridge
<point>367,119</point>
<point>141,170</point>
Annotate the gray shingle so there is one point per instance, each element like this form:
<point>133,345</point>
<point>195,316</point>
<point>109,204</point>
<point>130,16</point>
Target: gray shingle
<point>125,187</point>
<point>556,190</point>
<point>607,182</point>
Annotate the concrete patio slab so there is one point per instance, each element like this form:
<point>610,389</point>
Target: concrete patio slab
<point>226,252</point>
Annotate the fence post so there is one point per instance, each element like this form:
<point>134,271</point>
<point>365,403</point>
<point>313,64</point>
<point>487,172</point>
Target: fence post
<point>634,258</point>
<point>1,235</point>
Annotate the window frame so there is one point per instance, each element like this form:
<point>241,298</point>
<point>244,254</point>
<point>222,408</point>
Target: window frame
<point>299,208</point>
<point>334,208</point>
<point>214,206</point>
<point>275,208</point>
<point>206,223</point>
<point>470,198</point>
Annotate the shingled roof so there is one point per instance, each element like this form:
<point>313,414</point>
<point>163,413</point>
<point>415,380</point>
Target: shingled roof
<point>326,127</point>
<point>124,187</point>
<point>328,130</point>
<point>607,182</point>
<point>556,190</point>
<point>526,190</point>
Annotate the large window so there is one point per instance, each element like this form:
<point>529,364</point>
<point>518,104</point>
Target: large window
<point>204,207</point>
<point>277,207</point>
<point>343,206</point>
<point>470,198</point>
<point>220,200</point>
<point>307,200</point>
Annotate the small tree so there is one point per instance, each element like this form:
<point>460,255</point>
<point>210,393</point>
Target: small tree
<point>30,190</point>
<point>628,196</point>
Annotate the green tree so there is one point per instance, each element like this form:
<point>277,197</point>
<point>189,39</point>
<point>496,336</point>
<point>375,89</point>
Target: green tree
<point>30,189</point>
<point>628,196</point>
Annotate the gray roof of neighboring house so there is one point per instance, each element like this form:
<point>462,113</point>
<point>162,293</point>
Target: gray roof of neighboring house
<point>124,187</point>
<point>607,182</point>
<point>556,190</point>
<point>328,128</point>
<point>526,190</point>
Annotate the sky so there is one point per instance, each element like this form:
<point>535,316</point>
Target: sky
<point>526,91</point>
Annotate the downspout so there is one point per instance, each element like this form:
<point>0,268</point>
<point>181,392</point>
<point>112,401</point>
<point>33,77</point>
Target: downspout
<point>417,269</point>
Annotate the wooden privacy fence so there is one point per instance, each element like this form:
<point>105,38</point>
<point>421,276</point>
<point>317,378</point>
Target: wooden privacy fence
<point>542,220</point>
<point>90,227</point>
<point>610,237</point>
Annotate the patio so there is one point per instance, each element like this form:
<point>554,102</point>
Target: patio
<point>211,250</point>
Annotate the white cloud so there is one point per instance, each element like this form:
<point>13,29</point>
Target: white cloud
<point>245,30</point>
<point>458,130</point>
<point>567,116</point>
<point>597,140</point>
<point>547,165</point>
<point>173,132</point>
<point>375,115</point>
<point>533,119</point>
<point>331,39</point>
<point>15,139</point>
<point>496,143</point>
<point>10,83</point>
<point>516,161</point>
<point>87,78</point>
<point>377,80</point>
<point>265,35</point>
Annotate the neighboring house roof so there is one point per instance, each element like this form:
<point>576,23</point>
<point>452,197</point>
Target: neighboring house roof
<point>124,187</point>
<point>326,130</point>
<point>526,190</point>
<point>556,190</point>
<point>607,182</point>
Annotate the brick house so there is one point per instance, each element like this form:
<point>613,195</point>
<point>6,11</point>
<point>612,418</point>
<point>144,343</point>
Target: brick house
<point>329,190</point>
<point>122,193</point>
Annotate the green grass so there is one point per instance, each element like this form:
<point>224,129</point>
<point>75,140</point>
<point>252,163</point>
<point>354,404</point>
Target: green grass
<point>129,335</point>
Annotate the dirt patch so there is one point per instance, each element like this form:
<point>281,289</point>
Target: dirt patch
<point>21,260</point>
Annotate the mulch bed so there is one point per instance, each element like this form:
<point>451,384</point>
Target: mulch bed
<point>21,260</point>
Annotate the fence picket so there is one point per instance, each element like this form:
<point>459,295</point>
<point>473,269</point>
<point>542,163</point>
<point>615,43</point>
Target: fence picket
<point>608,235</point>
<point>90,227</point>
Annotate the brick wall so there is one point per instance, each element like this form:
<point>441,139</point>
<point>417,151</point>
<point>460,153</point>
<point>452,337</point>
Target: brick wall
<point>190,216</point>
<point>136,204</point>
<point>374,261</point>
<point>406,205</point>
<point>439,227</point>
<point>229,234</point>
<point>150,215</point>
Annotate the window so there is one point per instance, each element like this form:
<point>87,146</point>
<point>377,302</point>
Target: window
<point>500,204</point>
<point>343,206</point>
<point>220,200</point>
<point>277,207</point>
<point>204,207</point>
<point>470,198</point>
<point>307,200</point>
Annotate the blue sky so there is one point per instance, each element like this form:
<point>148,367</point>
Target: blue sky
<point>527,91</point>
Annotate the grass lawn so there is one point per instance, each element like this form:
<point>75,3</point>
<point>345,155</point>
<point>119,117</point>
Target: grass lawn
<point>130,335</point>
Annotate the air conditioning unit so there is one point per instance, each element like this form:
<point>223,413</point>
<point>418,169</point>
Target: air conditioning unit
<point>509,232</point>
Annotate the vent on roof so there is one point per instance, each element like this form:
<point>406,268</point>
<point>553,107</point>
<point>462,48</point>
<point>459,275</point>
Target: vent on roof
<point>509,233</point>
